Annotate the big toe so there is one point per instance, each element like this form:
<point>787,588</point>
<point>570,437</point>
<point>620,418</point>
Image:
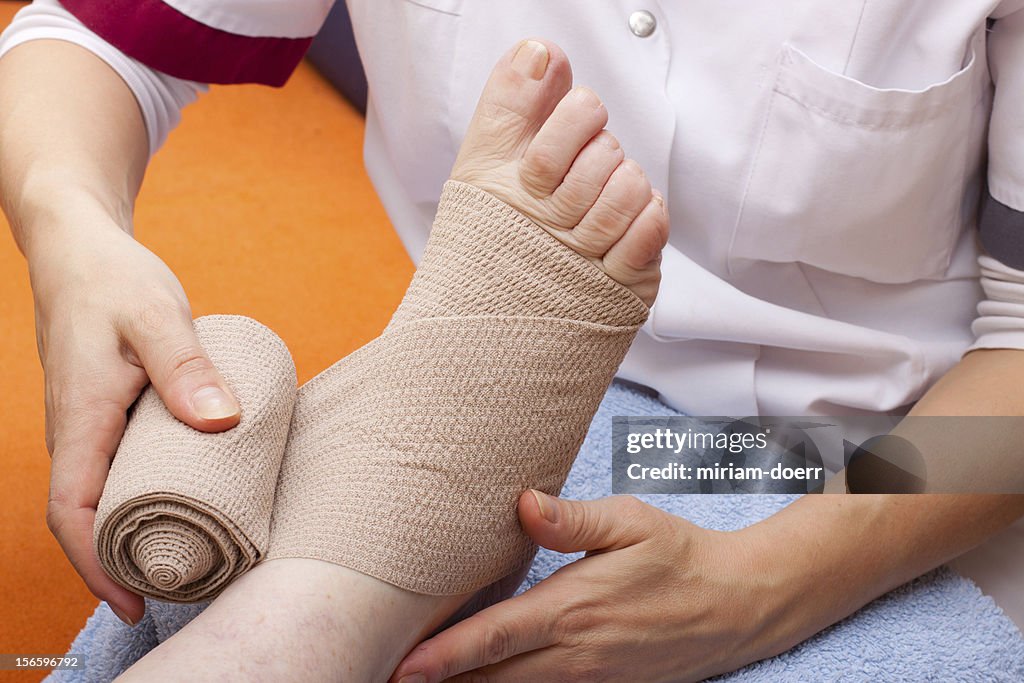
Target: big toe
<point>522,91</point>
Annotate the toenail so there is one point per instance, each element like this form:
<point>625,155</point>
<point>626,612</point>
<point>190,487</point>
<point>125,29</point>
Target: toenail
<point>585,95</point>
<point>609,140</point>
<point>660,201</point>
<point>531,60</point>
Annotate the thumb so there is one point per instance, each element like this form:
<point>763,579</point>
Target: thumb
<point>184,376</point>
<point>569,526</point>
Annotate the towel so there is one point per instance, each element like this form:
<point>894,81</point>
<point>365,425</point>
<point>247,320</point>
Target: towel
<point>939,627</point>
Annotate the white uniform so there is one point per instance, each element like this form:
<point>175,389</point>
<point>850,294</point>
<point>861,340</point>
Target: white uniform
<point>824,164</point>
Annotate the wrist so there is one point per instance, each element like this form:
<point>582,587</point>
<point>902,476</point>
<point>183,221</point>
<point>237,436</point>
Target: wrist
<point>769,573</point>
<point>66,232</point>
<point>752,578</point>
<point>45,216</point>
<point>820,561</point>
<point>71,256</point>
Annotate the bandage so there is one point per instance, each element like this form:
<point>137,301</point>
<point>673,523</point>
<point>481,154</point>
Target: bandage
<point>184,513</point>
<point>406,459</point>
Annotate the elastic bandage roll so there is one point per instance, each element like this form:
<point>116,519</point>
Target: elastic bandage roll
<point>406,459</point>
<point>184,513</point>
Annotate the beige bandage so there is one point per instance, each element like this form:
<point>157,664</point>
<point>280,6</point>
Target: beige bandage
<point>405,459</point>
<point>184,513</point>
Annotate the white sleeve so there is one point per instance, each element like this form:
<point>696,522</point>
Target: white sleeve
<point>161,97</point>
<point>1000,321</point>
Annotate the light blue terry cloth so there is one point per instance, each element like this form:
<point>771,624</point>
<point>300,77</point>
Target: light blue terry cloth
<point>937,628</point>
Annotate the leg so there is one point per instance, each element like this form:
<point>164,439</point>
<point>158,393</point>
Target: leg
<point>540,148</point>
<point>297,620</point>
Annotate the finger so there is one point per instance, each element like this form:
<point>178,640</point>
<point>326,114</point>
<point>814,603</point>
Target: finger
<point>569,526</point>
<point>181,372</point>
<point>73,528</point>
<point>86,433</point>
<point>549,664</point>
<point>517,625</point>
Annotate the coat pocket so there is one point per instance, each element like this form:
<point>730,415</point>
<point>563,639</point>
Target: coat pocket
<point>858,180</point>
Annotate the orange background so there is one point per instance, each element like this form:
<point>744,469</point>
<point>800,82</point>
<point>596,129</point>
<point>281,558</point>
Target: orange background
<point>261,206</point>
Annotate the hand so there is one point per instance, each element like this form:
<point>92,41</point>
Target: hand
<point>656,598</point>
<point>110,318</point>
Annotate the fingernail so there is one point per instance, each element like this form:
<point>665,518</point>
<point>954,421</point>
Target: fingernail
<point>413,678</point>
<point>121,615</point>
<point>211,403</point>
<point>547,505</point>
<point>531,60</point>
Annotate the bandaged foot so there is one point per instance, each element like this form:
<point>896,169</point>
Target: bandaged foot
<point>184,513</point>
<point>405,460</point>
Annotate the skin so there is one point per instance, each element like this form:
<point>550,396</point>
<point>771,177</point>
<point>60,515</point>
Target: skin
<point>71,161</point>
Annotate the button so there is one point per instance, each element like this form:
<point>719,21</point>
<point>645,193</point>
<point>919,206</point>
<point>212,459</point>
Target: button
<point>642,23</point>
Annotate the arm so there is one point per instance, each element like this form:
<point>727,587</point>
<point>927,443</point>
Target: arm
<point>881,541</point>
<point>88,91</point>
<point>110,316</point>
<point>72,141</point>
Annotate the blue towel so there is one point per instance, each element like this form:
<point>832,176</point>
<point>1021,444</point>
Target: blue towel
<point>937,628</point>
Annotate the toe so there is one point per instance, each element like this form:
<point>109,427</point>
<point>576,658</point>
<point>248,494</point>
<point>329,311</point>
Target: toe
<point>577,118</point>
<point>635,260</point>
<point>522,91</point>
<point>622,199</point>
<point>585,180</point>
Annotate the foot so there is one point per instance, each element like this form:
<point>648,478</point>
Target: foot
<point>542,148</point>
